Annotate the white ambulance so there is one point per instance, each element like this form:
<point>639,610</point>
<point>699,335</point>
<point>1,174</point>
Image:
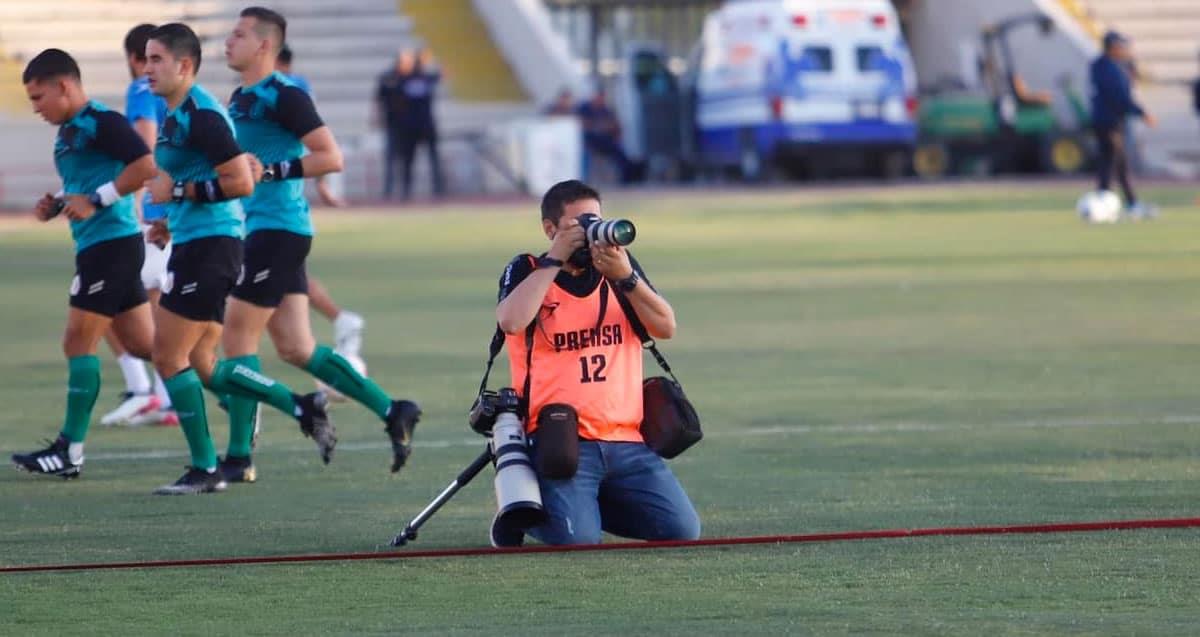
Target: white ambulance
<point>803,84</point>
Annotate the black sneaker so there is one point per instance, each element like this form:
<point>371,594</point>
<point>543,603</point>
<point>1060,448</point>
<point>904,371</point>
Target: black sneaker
<point>238,469</point>
<point>402,419</point>
<point>194,481</point>
<point>54,460</point>
<point>315,423</point>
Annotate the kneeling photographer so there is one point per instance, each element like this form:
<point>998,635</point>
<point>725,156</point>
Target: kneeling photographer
<point>577,363</point>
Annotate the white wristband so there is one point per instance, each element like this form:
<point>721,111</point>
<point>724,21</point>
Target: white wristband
<point>108,194</point>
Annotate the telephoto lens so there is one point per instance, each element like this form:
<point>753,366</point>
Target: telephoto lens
<point>611,232</point>
<point>518,497</point>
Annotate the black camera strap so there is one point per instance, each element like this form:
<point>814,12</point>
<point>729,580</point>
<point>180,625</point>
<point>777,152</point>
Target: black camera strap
<point>494,350</point>
<point>642,334</point>
<point>497,344</point>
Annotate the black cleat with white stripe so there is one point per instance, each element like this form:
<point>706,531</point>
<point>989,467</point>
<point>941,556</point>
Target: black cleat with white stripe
<point>54,460</point>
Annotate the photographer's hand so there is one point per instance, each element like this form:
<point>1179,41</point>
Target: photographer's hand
<point>612,262</point>
<point>520,307</point>
<point>568,238</point>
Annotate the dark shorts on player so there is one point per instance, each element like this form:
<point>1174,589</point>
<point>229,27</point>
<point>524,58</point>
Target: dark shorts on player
<point>200,275</point>
<point>274,267</point>
<point>108,276</point>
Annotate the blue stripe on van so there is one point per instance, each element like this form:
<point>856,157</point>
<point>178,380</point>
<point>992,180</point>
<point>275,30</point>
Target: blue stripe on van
<point>724,144</point>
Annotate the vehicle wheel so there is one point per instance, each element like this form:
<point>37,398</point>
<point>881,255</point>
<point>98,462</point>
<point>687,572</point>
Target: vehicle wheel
<point>751,164</point>
<point>1063,154</point>
<point>931,160</point>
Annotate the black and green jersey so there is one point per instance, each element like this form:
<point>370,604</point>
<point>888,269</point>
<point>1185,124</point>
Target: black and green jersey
<point>91,149</point>
<point>272,117</point>
<point>195,138</point>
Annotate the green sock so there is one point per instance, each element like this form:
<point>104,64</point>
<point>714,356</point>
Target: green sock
<point>339,374</point>
<point>237,379</point>
<point>83,386</point>
<point>187,397</point>
<point>242,413</point>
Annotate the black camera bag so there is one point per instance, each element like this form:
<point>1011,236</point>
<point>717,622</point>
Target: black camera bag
<point>670,424</point>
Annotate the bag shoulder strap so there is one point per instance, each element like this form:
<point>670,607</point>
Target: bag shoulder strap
<point>640,329</point>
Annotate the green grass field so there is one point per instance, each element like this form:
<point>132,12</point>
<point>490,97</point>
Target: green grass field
<point>861,359</point>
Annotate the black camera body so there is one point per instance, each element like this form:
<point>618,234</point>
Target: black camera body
<point>490,404</point>
<point>601,232</point>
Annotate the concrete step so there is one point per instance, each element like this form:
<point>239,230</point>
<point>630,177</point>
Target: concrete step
<point>295,9</point>
<point>1166,47</point>
<point>87,36</point>
<point>1149,28</point>
<point>131,11</point>
<point>1174,71</point>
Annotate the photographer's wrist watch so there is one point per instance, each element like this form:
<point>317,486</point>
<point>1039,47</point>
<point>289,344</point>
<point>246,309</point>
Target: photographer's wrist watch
<point>549,262</point>
<point>628,283</point>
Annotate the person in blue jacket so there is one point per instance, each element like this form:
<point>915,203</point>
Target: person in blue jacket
<point>1112,106</point>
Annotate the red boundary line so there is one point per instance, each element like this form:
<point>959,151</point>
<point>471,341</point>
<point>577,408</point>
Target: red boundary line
<point>1063,527</point>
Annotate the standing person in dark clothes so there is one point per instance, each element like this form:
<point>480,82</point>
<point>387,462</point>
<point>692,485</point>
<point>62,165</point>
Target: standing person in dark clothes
<point>418,124</point>
<point>391,103</point>
<point>1196,96</point>
<point>1112,105</point>
<point>602,132</point>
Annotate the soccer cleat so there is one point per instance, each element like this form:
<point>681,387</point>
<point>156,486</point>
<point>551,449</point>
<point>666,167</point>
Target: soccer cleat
<point>193,482</point>
<point>315,423</point>
<point>347,334</point>
<point>402,419</point>
<point>238,469</point>
<point>156,417</point>
<point>61,458</point>
<point>132,405</point>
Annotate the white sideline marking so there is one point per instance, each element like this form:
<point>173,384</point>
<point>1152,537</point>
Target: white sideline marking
<point>778,430</point>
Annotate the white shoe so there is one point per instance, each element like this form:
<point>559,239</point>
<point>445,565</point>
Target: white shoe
<point>347,334</point>
<point>131,405</point>
<point>156,417</point>
<point>1142,211</point>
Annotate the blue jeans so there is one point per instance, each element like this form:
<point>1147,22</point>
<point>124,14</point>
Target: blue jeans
<point>621,487</point>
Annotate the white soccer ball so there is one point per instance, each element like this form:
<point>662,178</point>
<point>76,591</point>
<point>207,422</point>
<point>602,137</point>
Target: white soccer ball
<point>334,395</point>
<point>1099,206</point>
